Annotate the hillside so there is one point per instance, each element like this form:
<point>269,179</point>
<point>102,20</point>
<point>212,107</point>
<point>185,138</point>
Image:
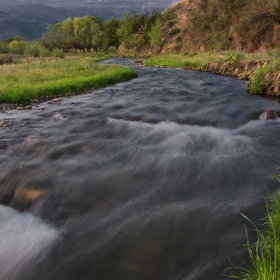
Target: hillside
<point>220,25</point>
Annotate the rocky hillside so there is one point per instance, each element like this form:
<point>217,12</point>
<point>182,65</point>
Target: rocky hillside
<point>220,25</point>
<point>176,22</point>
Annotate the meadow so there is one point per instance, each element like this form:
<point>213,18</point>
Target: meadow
<point>30,78</point>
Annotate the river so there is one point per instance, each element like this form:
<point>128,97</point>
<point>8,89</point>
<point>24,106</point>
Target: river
<point>145,179</point>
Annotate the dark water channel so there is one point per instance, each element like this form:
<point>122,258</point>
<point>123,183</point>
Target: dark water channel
<point>144,180</point>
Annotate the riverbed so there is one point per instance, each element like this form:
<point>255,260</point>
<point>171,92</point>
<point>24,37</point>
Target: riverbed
<point>145,179</point>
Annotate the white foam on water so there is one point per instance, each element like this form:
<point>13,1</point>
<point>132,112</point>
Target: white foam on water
<point>25,240</point>
<point>191,139</point>
<point>202,155</point>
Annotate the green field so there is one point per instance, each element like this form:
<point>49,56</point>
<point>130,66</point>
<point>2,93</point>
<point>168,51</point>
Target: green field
<point>37,78</point>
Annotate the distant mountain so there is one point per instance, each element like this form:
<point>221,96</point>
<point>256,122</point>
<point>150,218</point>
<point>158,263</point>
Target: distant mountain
<point>29,21</point>
<point>29,18</point>
<point>123,4</point>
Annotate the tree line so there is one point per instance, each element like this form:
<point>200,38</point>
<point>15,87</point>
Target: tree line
<point>133,31</point>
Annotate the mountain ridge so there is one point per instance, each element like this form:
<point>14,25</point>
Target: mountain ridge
<point>29,20</point>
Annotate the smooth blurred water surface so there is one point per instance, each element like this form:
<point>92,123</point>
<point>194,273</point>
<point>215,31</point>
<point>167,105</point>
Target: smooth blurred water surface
<point>141,180</point>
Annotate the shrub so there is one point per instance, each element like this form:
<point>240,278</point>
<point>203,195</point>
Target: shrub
<point>17,47</point>
<point>155,33</point>
<point>274,53</point>
<point>179,39</point>
<point>6,59</point>
<point>3,47</point>
<point>235,57</point>
<point>192,64</point>
<point>43,52</point>
<point>255,86</point>
<point>32,49</point>
<point>113,49</point>
<point>171,23</point>
<point>168,15</point>
<point>174,31</point>
<point>58,53</point>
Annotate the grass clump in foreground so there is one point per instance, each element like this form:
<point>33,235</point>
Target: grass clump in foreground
<point>48,77</point>
<point>265,253</point>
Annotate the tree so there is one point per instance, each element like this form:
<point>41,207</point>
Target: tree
<point>85,29</point>
<point>67,29</point>
<point>126,32</point>
<point>53,37</point>
<point>155,34</point>
<point>110,37</point>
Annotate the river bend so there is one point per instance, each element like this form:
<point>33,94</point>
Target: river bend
<point>140,180</point>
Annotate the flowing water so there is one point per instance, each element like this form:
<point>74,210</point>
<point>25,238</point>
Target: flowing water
<point>141,180</point>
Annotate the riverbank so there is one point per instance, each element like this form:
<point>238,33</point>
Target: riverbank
<point>44,79</point>
<point>262,70</point>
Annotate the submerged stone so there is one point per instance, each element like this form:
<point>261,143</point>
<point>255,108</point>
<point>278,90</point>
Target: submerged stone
<point>270,115</point>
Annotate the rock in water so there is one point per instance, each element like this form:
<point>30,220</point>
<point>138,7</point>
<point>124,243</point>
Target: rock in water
<point>57,99</point>
<point>270,115</point>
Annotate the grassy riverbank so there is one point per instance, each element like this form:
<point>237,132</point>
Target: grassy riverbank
<point>262,69</point>
<point>37,78</point>
<point>265,253</point>
<point>202,58</point>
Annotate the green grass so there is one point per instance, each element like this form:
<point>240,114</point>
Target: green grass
<point>167,61</point>
<point>265,253</point>
<point>256,85</point>
<point>197,60</point>
<point>185,60</point>
<point>37,78</point>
